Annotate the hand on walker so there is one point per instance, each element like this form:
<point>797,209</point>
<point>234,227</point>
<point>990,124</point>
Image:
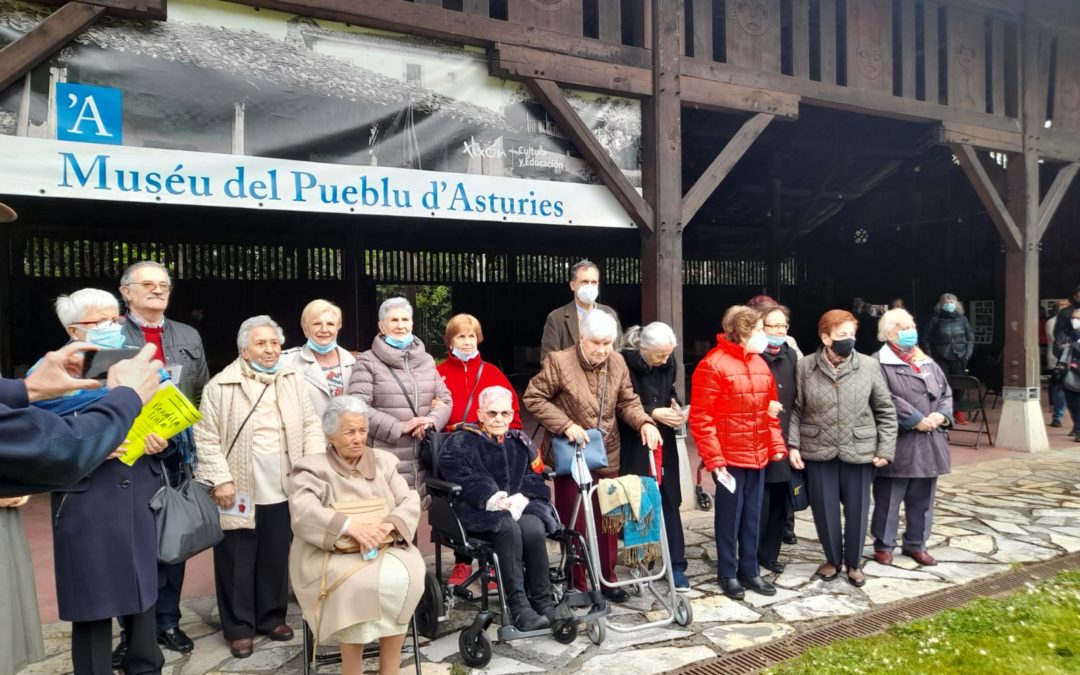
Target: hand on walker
<point>576,434</point>
<point>650,435</point>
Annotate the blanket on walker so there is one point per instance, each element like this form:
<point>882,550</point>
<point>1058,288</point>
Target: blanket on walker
<point>632,504</point>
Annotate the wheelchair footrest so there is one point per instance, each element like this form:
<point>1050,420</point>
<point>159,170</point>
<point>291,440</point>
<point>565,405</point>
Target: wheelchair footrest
<point>579,599</point>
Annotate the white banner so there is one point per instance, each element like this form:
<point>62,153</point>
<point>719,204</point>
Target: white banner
<point>47,168</point>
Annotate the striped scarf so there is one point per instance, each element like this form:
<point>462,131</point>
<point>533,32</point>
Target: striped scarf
<point>909,356</point>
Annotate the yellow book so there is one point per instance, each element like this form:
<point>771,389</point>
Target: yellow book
<point>168,413</point>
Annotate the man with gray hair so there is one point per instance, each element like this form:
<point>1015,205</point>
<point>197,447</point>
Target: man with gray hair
<point>561,329</point>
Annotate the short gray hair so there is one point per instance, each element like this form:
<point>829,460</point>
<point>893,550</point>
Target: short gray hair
<point>72,308</point>
<point>598,325</point>
<point>393,303</point>
<point>494,392</point>
<point>583,264</point>
<point>888,321</point>
<point>655,335</point>
<point>338,408</point>
<point>243,336</point>
<point>129,274</point>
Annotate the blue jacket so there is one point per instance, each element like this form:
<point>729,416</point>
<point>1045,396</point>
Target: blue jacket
<point>40,451</point>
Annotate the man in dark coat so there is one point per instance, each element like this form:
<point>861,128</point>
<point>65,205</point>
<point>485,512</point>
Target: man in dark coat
<point>1063,324</point>
<point>561,325</point>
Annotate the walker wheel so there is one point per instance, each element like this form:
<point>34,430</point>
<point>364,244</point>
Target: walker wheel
<point>704,500</point>
<point>475,647</point>
<point>596,630</point>
<point>684,611</point>
<point>564,630</point>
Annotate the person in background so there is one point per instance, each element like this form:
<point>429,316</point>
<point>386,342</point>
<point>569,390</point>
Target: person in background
<point>466,374</point>
<point>325,365</point>
<point>949,339</point>
<point>21,640</point>
<point>1072,339</point>
<point>923,403</point>
<point>561,325</point>
<point>1056,391</point>
<point>763,302</point>
<point>649,353</point>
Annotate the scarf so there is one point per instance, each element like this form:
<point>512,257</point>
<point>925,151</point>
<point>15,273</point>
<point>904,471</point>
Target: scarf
<point>620,499</point>
<point>251,373</point>
<point>832,359</point>
<point>640,529</point>
<point>773,350</point>
<point>909,356</point>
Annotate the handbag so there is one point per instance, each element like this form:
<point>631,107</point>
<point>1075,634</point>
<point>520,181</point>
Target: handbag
<point>368,511</point>
<point>594,451</point>
<point>797,492</point>
<point>187,519</point>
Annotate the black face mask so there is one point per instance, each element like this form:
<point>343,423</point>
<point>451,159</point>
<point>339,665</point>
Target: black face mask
<point>843,348</point>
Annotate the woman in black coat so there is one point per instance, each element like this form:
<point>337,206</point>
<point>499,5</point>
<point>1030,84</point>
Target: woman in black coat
<point>776,504</point>
<point>949,339</point>
<point>648,353</point>
<point>505,500</point>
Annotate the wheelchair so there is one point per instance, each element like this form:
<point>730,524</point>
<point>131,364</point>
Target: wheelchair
<point>573,608</point>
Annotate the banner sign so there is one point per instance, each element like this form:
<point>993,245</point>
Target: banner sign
<point>224,105</point>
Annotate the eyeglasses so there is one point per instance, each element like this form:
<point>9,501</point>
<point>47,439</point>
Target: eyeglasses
<point>151,286</point>
<point>104,323</point>
<point>776,325</point>
<point>505,414</point>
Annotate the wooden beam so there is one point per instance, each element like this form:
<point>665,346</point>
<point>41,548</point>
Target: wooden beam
<point>55,31</point>
<point>553,100</point>
<point>800,38</point>
<point>979,137</point>
<point>127,9</point>
<point>721,166</point>
<point>708,95</point>
<point>984,187</point>
<point>1057,144</point>
<point>1053,198</point>
<point>907,49</point>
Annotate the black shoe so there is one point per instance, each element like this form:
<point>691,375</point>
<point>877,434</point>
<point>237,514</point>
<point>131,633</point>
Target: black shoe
<point>119,654</point>
<point>789,538</point>
<point>758,585</point>
<point>527,619</point>
<point>547,611</point>
<point>732,588</point>
<point>617,595</point>
<point>1055,423</point>
<point>176,640</point>
<point>772,566</point>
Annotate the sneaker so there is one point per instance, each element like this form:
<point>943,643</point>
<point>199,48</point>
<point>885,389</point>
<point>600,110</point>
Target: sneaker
<point>682,584</point>
<point>1055,423</point>
<point>459,574</point>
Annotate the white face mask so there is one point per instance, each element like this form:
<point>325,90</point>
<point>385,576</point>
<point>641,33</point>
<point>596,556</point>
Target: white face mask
<point>588,293</point>
<point>757,343</point>
<point>1076,324</point>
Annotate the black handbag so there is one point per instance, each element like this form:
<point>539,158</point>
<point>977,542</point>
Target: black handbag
<point>187,518</point>
<point>797,492</point>
<point>428,447</point>
<point>1064,373</point>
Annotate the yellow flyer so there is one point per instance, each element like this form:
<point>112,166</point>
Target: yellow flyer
<point>168,413</point>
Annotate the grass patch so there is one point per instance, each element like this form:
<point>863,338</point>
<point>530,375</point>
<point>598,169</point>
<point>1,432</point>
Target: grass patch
<point>1032,631</point>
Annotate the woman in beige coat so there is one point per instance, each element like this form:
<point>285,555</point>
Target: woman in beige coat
<point>257,422</point>
<point>373,599</point>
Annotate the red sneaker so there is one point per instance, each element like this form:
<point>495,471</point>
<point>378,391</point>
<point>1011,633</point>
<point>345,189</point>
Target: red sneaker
<point>459,574</point>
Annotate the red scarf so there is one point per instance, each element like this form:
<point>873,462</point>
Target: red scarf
<point>908,356</point>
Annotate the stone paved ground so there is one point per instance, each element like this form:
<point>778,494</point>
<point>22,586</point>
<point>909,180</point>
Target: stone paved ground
<point>989,515</point>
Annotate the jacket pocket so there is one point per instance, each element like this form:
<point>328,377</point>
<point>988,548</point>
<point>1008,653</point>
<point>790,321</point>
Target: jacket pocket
<point>191,353</point>
<point>865,440</point>
<point>809,430</point>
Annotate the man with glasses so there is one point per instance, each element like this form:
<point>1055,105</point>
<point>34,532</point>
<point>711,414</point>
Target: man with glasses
<point>146,288</point>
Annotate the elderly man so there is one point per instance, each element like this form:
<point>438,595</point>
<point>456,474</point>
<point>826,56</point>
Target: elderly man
<point>146,288</point>
<point>561,327</point>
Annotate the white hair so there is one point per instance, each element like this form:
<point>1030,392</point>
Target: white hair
<point>654,336</point>
<point>243,336</point>
<point>494,393</point>
<point>72,308</point>
<point>129,274</point>
<point>889,320</point>
<point>338,408</point>
<point>393,303</point>
<point>598,325</point>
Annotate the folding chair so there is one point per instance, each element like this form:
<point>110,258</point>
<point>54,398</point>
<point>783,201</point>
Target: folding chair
<point>969,396</point>
<point>313,661</point>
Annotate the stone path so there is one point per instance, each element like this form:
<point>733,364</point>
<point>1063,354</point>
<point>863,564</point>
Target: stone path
<point>988,516</point>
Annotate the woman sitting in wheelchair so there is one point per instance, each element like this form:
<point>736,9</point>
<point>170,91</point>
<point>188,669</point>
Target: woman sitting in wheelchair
<point>354,517</point>
<point>505,500</point>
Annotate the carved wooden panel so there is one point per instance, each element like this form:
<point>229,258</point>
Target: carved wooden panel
<point>1067,84</point>
<point>753,33</point>
<point>966,59</point>
<point>563,16</point>
<point>869,45</point>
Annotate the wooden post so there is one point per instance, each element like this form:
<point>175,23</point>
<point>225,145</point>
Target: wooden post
<point>19,57</point>
<point>775,223</point>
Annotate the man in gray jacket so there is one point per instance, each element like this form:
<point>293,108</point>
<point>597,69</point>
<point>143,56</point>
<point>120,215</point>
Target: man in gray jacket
<point>561,326</point>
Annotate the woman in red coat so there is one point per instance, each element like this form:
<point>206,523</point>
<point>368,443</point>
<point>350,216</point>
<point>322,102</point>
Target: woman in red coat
<point>733,418</point>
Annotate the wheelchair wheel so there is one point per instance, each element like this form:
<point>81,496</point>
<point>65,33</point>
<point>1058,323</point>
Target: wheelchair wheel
<point>684,611</point>
<point>564,630</point>
<point>596,630</point>
<point>475,647</point>
<point>430,609</point>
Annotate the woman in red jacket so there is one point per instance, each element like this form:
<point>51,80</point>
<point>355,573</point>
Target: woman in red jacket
<point>733,418</point>
<point>466,375</point>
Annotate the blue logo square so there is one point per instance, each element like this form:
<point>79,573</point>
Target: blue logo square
<point>89,114</point>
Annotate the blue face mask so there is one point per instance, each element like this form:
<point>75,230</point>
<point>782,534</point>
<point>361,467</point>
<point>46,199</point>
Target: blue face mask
<point>321,349</point>
<point>906,339</point>
<point>465,357</point>
<point>777,340</point>
<point>259,368</point>
<point>107,337</point>
<point>399,343</point>
<point>949,307</point>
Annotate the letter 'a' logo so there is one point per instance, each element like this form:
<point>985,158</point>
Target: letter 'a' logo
<point>89,114</point>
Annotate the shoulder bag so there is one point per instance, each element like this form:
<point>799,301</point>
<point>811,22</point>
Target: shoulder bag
<point>428,447</point>
<point>595,453</point>
<point>187,518</point>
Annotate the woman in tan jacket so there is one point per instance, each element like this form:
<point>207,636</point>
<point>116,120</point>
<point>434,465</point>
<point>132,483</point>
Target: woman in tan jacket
<point>374,599</point>
<point>566,397</point>
<point>257,422</point>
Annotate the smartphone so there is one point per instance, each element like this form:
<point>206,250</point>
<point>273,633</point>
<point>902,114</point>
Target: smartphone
<point>96,364</point>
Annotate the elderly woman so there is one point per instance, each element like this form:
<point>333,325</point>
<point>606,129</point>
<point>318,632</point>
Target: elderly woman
<point>397,379</point>
<point>506,501</point>
<point>581,387</point>
<point>843,426</point>
<point>949,339</point>
<point>257,423</point>
<point>923,403</point>
<point>649,355</point>
<point>733,419</point>
<point>325,365</point>
<point>372,600</point>
<point>104,536</point>
<point>466,375</point>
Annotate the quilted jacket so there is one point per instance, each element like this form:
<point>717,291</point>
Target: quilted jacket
<point>729,411</point>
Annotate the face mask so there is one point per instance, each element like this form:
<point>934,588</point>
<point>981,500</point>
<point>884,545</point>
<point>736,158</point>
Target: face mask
<point>464,357</point>
<point>1076,324</point>
<point>107,337</point>
<point>776,340</point>
<point>401,343</point>
<point>843,348</point>
<point>949,307</point>
<point>320,349</point>
<point>757,343</point>
<point>906,339</point>
<point>588,293</point>
<point>259,368</point>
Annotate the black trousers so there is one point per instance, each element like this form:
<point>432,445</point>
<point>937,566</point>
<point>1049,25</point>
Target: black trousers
<point>91,646</point>
<point>738,517</point>
<point>523,543</point>
<point>674,531</point>
<point>170,584</point>
<point>251,574</point>
<point>774,514</point>
<point>830,484</point>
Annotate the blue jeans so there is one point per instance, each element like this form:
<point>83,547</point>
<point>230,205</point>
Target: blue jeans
<point>1057,400</point>
<point>737,524</point>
